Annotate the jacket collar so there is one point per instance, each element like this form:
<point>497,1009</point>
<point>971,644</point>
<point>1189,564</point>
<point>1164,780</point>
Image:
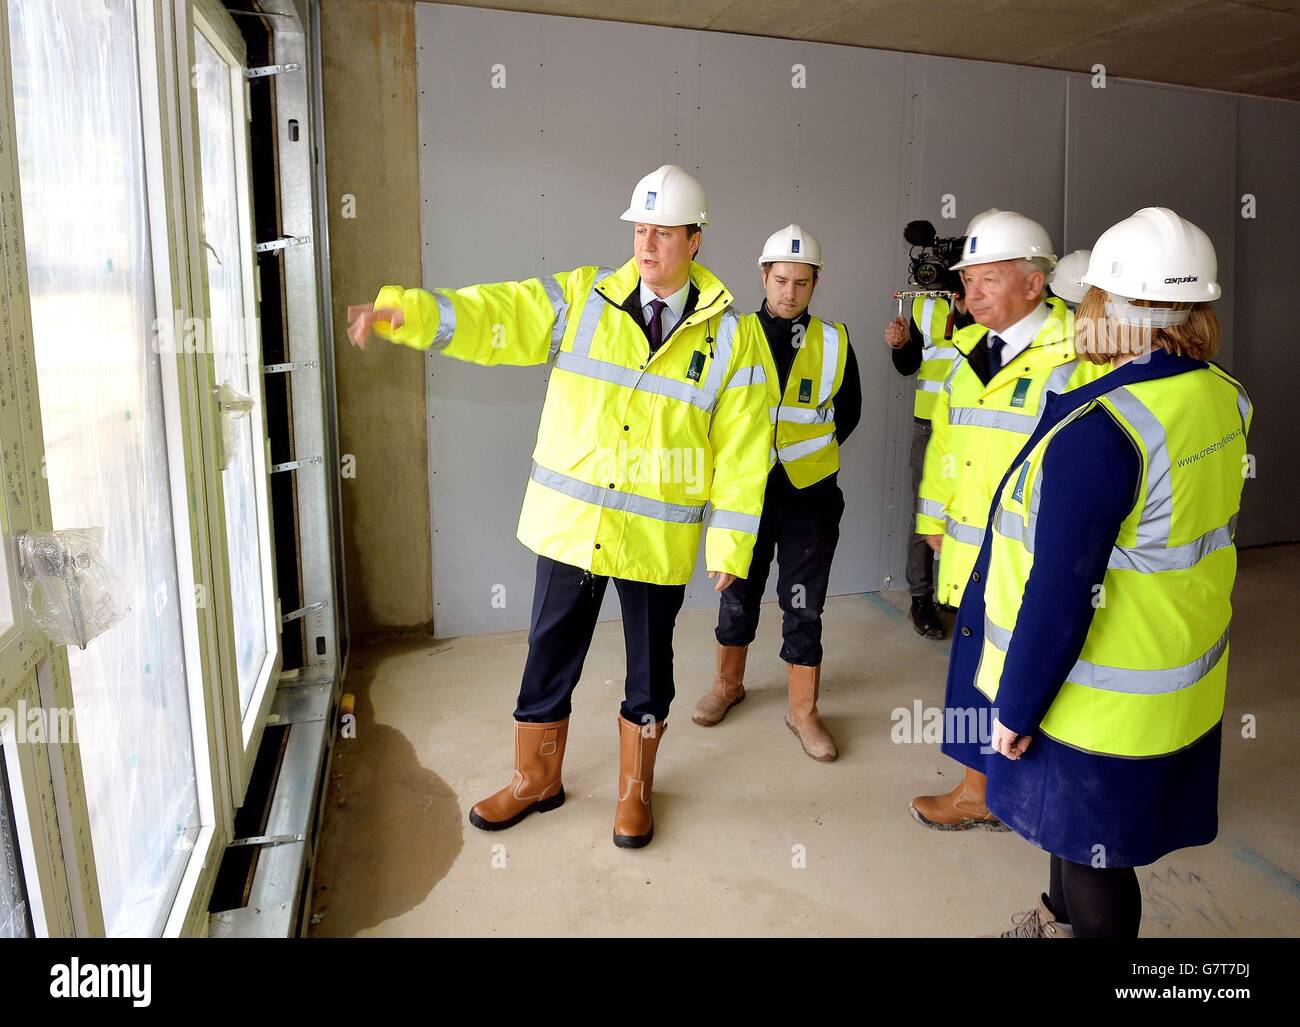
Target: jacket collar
<point>1057,332</point>
<point>1158,364</point>
<point>714,297</point>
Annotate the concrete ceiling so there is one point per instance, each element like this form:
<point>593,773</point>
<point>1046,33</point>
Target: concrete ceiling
<point>1243,46</point>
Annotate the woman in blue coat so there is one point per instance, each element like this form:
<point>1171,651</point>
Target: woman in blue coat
<point>1093,635</point>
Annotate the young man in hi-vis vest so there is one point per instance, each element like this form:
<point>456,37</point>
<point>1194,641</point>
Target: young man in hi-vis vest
<point>816,401</point>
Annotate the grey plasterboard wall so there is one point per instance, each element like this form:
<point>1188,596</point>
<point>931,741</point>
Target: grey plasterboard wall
<point>531,178</point>
<point>1267,346</point>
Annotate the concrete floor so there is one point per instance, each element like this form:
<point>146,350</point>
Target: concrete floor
<point>735,805</point>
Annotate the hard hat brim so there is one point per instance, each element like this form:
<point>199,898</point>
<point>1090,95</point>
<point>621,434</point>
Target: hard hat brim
<point>645,217</point>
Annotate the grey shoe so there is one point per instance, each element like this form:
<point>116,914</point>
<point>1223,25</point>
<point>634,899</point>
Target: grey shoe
<point>1038,923</point>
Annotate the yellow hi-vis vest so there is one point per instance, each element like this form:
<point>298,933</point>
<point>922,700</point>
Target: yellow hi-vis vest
<point>631,446</point>
<point>978,429</point>
<point>804,415</point>
<point>1150,678</point>
<point>932,316</point>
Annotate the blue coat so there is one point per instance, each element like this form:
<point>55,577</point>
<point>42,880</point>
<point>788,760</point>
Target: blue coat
<point>1084,807</point>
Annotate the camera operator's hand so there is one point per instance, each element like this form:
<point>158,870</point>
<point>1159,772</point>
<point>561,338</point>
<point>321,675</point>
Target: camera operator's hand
<point>896,332</point>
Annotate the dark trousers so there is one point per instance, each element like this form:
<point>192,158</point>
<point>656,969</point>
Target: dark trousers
<point>566,602</point>
<point>803,538</point>
<point>920,557</point>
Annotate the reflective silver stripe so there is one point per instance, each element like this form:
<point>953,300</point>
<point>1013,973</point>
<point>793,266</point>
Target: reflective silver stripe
<point>1011,526</point>
<point>1243,405</point>
<point>803,415</point>
<point>957,363</point>
<point>938,353</point>
<point>801,449</point>
<point>967,533</point>
<point>928,385</point>
<point>733,521</point>
<point>1060,377</point>
<point>642,381</point>
<point>751,375</point>
<point>929,508</point>
<point>721,360</point>
<point>591,311</point>
<point>1158,508</point>
<point>927,312</point>
<point>615,499</point>
<point>1126,679</point>
<point>1148,682</point>
<point>830,360</point>
<point>1153,559</point>
<point>999,637</point>
<point>446,321</point>
<point>1004,420</point>
<point>560,305</point>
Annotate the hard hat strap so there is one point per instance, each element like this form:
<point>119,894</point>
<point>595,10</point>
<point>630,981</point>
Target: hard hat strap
<point>1120,309</point>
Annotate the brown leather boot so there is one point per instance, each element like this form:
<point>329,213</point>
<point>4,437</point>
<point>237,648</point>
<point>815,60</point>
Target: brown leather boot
<point>535,786</point>
<point>959,809</point>
<point>634,822</point>
<point>728,686</point>
<point>803,718</point>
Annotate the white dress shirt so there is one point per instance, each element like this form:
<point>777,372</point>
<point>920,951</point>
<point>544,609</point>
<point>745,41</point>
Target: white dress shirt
<point>672,313</point>
<point>1017,337</point>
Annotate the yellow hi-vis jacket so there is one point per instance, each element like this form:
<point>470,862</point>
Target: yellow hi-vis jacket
<point>931,315</point>
<point>805,415</point>
<point>978,429</point>
<point>1150,678</point>
<point>631,446</point>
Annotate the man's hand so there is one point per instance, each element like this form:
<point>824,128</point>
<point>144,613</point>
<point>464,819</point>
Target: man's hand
<point>724,579</point>
<point>1008,743</point>
<point>362,318</point>
<point>935,542</point>
<point>896,332</point>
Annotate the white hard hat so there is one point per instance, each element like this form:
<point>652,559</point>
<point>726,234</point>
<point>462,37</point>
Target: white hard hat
<point>1006,235</point>
<point>792,243</point>
<point>668,196</point>
<point>980,217</point>
<point>1155,255</point>
<point>1067,278</point>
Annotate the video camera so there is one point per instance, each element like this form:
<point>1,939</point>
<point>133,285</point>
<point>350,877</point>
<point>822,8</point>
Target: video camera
<point>931,258</point>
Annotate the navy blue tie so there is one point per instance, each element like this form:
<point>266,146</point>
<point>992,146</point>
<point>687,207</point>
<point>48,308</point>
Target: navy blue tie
<point>656,326</point>
<point>995,354</point>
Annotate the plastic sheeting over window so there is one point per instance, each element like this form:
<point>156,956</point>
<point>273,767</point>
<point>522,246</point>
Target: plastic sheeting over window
<point>234,354</point>
<point>89,256</point>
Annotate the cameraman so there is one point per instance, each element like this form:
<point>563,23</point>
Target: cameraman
<point>923,343</point>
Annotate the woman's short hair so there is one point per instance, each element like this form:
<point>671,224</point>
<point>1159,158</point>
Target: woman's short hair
<point>1098,337</point>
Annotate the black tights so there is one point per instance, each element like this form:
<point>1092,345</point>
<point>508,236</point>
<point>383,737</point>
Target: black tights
<point>1097,902</point>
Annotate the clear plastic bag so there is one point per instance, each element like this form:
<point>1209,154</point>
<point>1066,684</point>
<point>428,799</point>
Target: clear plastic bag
<point>72,594</point>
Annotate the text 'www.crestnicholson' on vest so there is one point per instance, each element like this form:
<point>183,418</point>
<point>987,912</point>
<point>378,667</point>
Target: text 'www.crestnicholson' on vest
<point>1183,461</point>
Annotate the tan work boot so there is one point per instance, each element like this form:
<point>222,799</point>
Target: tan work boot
<point>535,786</point>
<point>959,809</point>
<point>803,718</point>
<point>728,686</point>
<point>634,822</point>
<point>1038,923</point>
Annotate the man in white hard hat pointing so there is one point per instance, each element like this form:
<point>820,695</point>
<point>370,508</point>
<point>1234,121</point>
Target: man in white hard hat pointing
<point>656,407</point>
<point>816,401</point>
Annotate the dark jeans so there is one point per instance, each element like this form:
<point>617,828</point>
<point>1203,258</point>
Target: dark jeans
<point>804,540</point>
<point>566,602</point>
<point>920,557</point>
